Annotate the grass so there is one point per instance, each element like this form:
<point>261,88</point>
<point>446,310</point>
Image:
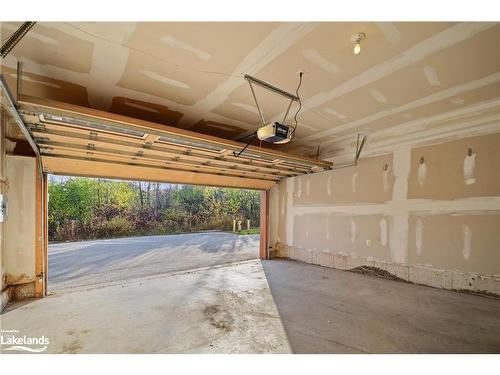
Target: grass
<point>249,231</point>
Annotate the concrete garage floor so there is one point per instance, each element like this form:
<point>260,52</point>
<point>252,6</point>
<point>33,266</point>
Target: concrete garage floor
<point>325,310</point>
<point>275,306</point>
<point>226,309</point>
<point>86,263</point>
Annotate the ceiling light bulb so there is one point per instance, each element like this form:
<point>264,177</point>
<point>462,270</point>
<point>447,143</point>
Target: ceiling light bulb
<point>357,48</point>
<point>356,39</point>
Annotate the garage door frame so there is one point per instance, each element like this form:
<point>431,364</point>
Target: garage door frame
<point>251,172</point>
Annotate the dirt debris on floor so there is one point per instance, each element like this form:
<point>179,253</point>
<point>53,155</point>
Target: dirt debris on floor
<point>326,310</point>
<point>225,309</point>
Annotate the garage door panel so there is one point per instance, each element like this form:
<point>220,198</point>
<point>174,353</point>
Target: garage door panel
<point>73,166</point>
<point>82,141</point>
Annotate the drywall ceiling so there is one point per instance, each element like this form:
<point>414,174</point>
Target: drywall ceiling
<point>411,80</point>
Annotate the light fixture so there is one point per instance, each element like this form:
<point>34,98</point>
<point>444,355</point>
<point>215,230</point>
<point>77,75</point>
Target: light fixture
<point>357,48</point>
<point>356,39</point>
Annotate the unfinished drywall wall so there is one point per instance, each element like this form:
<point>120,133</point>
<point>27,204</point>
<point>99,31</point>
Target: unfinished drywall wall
<point>425,214</point>
<point>19,249</point>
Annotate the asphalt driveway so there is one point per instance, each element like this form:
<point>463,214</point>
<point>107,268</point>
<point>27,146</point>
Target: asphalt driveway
<point>88,263</point>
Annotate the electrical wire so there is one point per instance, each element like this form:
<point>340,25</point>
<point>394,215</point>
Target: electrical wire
<point>245,136</point>
<point>196,70</point>
<point>300,104</point>
<point>180,66</point>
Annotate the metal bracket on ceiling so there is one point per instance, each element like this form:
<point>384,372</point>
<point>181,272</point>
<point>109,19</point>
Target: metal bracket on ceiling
<point>19,80</point>
<point>15,38</point>
<point>252,80</point>
<point>11,108</point>
<point>359,148</point>
<point>273,89</point>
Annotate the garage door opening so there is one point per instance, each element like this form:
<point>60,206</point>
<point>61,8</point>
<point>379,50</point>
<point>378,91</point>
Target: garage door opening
<point>105,231</point>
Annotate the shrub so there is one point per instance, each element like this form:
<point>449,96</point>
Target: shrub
<point>118,226</point>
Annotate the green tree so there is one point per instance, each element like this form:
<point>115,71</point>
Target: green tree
<point>83,208</point>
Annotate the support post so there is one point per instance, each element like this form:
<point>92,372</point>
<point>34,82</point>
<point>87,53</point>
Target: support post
<point>41,234</point>
<point>45,244</point>
<point>264,224</point>
<point>39,228</point>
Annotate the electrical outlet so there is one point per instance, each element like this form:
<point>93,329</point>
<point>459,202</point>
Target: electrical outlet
<point>368,242</point>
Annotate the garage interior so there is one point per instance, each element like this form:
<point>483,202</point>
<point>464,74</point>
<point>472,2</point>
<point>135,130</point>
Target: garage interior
<point>379,219</point>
